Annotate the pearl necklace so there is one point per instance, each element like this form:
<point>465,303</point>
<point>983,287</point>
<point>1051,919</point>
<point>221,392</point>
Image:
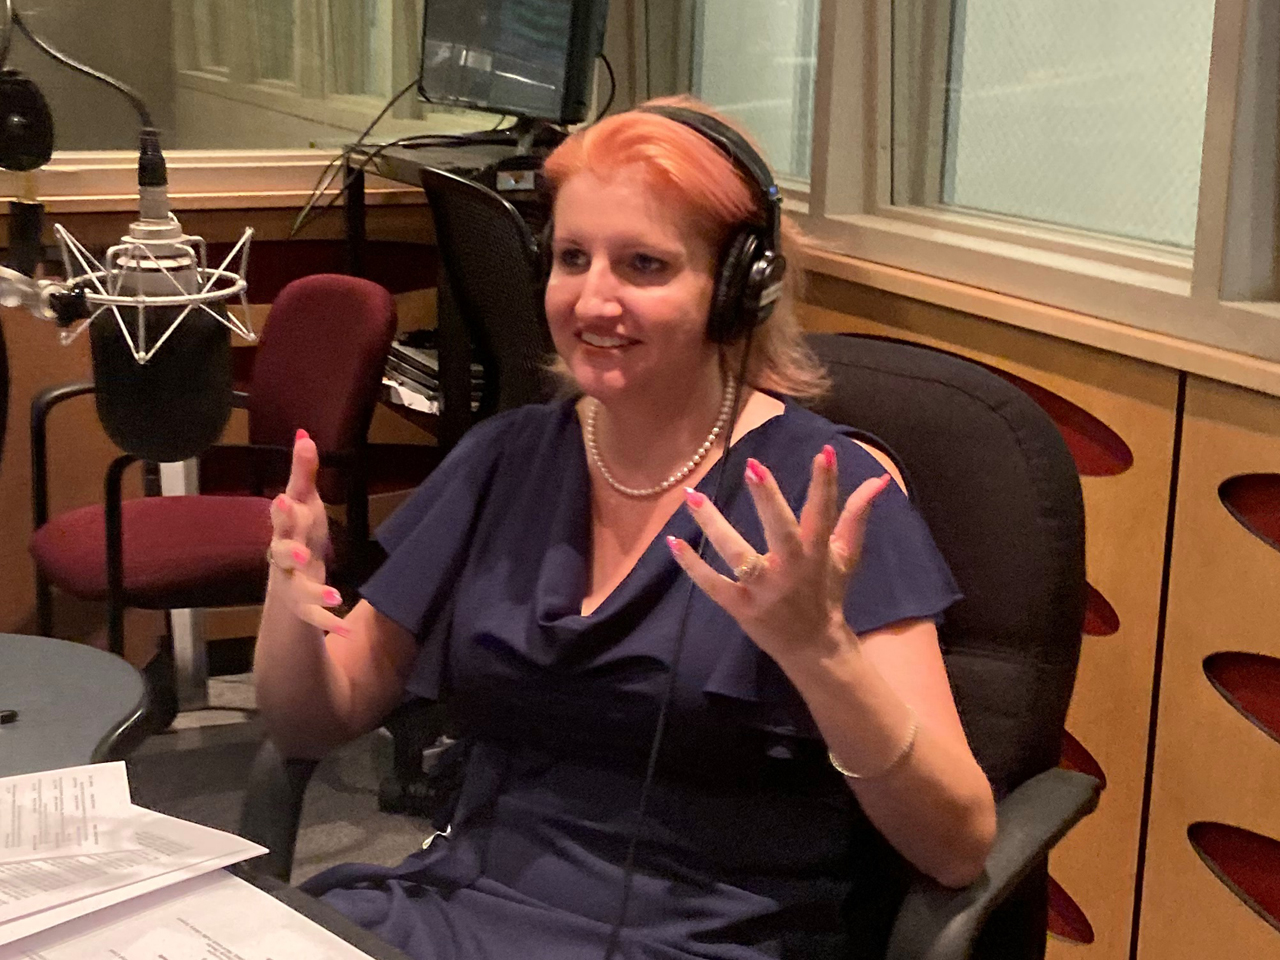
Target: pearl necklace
<point>726,405</point>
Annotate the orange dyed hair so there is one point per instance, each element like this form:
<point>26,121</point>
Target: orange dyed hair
<point>691,171</point>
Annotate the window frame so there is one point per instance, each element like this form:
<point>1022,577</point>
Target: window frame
<point>310,95</point>
<point>1179,309</point>
<point>1143,286</point>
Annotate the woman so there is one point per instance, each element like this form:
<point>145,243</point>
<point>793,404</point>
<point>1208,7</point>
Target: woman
<point>541,577</point>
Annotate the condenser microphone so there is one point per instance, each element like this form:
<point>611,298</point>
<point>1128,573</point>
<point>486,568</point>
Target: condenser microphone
<point>156,312</point>
<point>175,404</point>
<point>161,370</point>
<point>26,125</point>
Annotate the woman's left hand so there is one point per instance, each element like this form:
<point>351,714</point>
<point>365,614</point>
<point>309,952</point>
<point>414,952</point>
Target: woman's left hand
<point>790,601</point>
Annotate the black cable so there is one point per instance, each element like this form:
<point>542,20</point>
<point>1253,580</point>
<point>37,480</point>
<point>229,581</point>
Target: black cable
<point>128,92</point>
<point>613,88</point>
<point>310,212</point>
<point>415,140</point>
<point>648,55</point>
<point>655,746</point>
<point>321,184</point>
<point>6,30</point>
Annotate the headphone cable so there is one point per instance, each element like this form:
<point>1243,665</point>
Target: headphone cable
<point>651,767</point>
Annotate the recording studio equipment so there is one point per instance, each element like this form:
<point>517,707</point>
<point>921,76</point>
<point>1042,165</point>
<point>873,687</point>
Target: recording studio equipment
<point>156,312</point>
<point>26,125</point>
<point>532,59</point>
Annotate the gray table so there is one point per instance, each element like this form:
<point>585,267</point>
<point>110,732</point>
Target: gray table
<point>75,704</point>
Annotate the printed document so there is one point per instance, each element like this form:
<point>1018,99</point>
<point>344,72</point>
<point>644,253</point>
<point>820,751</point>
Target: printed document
<point>90,851</point>
<point>213,917</point>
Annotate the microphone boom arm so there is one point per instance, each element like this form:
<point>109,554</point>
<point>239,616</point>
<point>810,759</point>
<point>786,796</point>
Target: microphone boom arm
<point>6,30</point>
<point>13,19</point>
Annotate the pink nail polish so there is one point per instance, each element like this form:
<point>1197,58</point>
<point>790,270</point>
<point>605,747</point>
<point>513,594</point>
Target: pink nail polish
<point>754,472</point>
<point>301,435</point>
<point>332,597</point>
<point>675,546</point>
<point>299,555</point>
<point>829,456</point>
<point>695,499</point>
<point>281,503</point>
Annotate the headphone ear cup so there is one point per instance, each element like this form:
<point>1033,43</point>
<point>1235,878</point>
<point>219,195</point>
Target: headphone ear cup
<point>728,317</point>
<point>543,251</point>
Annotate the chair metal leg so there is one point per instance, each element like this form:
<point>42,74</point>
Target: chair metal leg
<point>44,606</point>
<point>186,627</point>
<point>115,628</point>
<point>114,522</point>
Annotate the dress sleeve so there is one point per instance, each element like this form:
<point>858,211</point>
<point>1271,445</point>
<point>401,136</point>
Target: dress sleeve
<point>427,541</point>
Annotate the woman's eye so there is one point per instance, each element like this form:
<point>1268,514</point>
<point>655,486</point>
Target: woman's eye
<point>571,258</point>
<point>644,263</point>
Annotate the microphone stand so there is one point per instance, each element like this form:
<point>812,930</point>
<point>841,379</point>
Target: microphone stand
<point>14,19</point>
<point>156,267</point>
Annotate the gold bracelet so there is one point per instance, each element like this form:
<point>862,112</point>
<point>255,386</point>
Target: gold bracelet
<point>898,760</point>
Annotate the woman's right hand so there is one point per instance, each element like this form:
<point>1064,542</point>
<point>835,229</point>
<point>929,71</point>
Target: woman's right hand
<point>300,542</point>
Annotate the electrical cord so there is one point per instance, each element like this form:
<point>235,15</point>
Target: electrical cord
<point>330,172</point>
<point>613,89</point>
<point>655,746</point>
<point>648,55</point>
<point>322,184</point>
<point>310,212</point>
<point>128,92</point>
<point>6,30</point>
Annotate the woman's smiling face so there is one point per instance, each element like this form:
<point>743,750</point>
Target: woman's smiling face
<point>630,287</point>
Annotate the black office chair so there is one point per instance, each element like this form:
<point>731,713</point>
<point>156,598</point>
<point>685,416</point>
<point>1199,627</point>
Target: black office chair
<point>489,312</point>
<point>492,284</point>
<point>993,477</point>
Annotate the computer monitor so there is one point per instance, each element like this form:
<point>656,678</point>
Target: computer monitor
<point>524,58</point>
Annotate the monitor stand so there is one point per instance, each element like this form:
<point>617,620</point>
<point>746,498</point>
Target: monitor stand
<point>529,137</point>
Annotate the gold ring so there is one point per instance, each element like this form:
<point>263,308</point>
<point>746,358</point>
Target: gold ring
<point>749,568</point>
<point>272,562</point>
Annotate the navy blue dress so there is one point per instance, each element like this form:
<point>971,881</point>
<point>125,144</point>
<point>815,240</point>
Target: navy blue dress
<point>752,846</point>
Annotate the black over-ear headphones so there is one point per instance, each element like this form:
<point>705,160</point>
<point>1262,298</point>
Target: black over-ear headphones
<point>749,280</point>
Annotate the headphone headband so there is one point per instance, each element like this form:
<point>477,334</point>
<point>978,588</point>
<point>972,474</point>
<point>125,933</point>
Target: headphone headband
<point>733,145</point>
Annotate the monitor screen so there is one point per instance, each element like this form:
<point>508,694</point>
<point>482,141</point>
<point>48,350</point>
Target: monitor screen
<point>530,58</point>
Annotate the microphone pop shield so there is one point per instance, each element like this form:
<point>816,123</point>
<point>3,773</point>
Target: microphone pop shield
<point>175,405</point>
<point>26,125</point>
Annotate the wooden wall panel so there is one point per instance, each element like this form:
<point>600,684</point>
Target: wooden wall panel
<point>1126,515</point>
<point>1212,763</point>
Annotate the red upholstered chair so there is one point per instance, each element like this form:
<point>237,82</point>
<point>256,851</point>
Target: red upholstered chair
<point>319,367</point>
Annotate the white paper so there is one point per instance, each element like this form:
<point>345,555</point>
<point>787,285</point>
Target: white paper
<point>77,810</point>
<point>48,919</point>
<point>37,894</point>
<point>410,398</point>
<point>212,917</point>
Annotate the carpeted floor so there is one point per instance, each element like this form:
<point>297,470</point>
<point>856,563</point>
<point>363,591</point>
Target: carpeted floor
<point>197,772</point>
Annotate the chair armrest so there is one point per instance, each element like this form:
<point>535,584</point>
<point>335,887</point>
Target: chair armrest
<point>275,788</point>
<point>936,923</point>
<point>328,458</point>
<point>273,808</point>
<point>41,404</point>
